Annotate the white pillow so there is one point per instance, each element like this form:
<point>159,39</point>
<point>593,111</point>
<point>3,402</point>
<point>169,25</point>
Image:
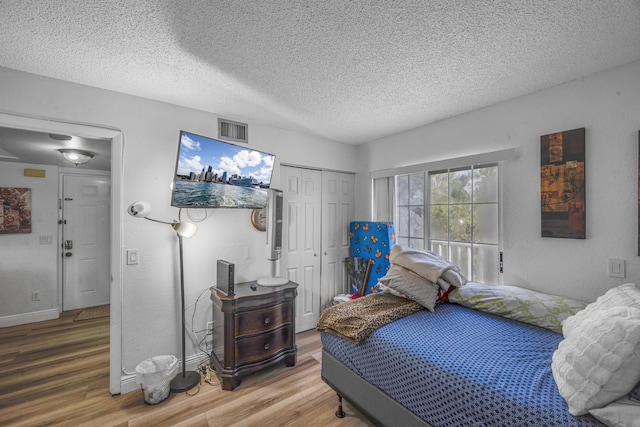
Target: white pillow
<point>624,412</point>
<point>627,295</point>
<point>599,359</point>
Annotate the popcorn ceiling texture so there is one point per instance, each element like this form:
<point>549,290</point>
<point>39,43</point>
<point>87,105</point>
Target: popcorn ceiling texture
<point>350,71</point>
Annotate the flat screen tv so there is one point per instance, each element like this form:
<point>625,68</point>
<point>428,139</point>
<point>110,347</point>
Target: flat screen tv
<point>216,174</point>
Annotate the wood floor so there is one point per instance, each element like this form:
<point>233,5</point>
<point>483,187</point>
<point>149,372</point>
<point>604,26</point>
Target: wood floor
<point>56,373</point>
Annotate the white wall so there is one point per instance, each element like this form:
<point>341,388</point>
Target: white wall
<point>26,265</point>
<point>150,292</point>
<point>607,105</point>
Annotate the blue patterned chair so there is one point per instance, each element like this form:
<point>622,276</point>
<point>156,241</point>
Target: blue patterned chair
<point>372,240</point>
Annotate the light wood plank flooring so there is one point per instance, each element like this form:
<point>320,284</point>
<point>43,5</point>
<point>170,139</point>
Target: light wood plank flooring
<point>56,373</point>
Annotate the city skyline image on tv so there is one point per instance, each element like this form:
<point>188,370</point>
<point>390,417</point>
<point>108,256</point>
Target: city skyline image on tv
<point>215,174</point>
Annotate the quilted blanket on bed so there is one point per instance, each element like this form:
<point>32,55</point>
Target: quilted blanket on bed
<point>462,367</point>
<point>355,320</point>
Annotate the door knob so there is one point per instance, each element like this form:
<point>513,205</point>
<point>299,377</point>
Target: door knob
<point>68,254</point>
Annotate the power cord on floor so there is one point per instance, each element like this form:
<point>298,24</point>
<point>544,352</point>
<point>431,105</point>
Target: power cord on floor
<point>208,376</point>
<point>206,373</point>
<point>197,390</point>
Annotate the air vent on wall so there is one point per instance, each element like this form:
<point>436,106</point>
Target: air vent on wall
<point>232,131</point>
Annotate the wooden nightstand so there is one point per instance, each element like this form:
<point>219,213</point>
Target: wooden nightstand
<point>252,330</point>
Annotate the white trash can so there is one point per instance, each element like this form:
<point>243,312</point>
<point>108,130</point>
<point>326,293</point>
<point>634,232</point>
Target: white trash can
<point>154,376</point>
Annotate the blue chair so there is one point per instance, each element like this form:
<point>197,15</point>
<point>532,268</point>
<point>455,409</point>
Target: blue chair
<point>372,240</point>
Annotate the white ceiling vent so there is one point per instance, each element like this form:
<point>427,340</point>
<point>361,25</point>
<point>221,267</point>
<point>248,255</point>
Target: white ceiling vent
<point>232,131</point>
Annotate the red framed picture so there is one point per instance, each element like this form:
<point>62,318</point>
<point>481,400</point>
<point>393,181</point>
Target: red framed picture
<point>15,215</point>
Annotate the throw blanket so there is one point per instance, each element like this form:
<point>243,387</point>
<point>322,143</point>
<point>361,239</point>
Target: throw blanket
<point>355,320</point>
<point>429,265</point>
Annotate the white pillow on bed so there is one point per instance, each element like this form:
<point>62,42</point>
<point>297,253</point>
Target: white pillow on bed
<point>407,284</point>
<point>627,295</point>
<point>624,412</point>
<point>599,359</point>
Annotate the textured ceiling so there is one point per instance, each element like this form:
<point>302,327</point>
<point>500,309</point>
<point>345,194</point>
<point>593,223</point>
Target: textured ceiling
<point>351,71</point>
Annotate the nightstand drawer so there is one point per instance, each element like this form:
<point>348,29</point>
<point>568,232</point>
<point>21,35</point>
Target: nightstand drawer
<point>257,321</point>
<point>260,347</point>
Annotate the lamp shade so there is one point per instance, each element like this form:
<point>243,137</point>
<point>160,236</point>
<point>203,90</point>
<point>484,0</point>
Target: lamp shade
<point>139,209</point>
<point>185,229</point>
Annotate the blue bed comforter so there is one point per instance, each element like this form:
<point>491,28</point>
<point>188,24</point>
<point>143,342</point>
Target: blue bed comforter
<point>462,367</point>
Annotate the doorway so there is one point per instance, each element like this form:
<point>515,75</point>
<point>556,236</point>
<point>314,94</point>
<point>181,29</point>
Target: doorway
<point>115,138</point>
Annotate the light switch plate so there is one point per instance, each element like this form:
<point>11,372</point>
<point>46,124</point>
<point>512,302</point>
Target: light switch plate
<point>46,239</point>
<point>132,256</point>
<point>616,268</point>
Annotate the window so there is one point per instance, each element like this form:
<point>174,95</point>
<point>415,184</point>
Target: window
<point>410,221</point>
<point>454,213</point>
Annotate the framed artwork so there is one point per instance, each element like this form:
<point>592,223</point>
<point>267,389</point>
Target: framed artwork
<point>15,215</point>
<point>562,184</point>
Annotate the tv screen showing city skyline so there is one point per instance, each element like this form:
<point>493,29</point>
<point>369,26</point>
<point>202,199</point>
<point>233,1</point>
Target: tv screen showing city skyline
<point>216,174</point>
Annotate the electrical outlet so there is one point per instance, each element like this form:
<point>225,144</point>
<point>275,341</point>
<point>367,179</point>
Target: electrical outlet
<point>209,326</point>
<point>35,296</point>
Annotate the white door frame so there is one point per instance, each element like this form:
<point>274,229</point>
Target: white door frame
<point>117,146</point>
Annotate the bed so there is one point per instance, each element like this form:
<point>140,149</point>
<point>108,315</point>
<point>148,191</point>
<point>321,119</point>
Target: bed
<point>461,365</point>
<point>487,370</point>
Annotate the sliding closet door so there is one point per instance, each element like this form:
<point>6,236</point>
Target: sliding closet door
<point>301,240</point>
<point>338,210</point>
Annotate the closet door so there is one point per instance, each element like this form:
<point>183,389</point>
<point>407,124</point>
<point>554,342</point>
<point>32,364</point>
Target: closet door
<point>301,240</point>
<point>338,210</point>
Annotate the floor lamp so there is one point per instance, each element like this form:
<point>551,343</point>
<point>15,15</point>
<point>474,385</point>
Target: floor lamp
<point>187,379</point>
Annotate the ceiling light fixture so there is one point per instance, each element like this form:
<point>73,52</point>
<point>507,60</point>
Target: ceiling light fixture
<point>59,137</point>
<point>4,154</point>
<point>77,157</point>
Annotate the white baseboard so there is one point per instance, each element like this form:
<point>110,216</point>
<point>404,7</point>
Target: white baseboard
<point>32,317</point>
<point>128,382</point>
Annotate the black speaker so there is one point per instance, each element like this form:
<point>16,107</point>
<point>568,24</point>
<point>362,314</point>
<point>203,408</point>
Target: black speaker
<point>225,277</point>
<point>275,200</point>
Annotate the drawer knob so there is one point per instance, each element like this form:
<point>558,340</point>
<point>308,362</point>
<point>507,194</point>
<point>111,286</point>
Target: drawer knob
<point>267,320</point>
<point>267,346</point>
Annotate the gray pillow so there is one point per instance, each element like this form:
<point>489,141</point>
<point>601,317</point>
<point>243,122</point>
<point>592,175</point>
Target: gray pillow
<point>411,286</point>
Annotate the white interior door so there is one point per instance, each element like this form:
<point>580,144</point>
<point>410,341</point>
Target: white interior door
<point>85,241</point>
<point>338,210</point>
<point>301,240</point>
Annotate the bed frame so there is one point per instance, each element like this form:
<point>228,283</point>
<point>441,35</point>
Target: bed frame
<point>367,399</point>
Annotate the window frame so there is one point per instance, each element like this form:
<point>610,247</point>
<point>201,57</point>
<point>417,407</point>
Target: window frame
<point>427,218</point>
